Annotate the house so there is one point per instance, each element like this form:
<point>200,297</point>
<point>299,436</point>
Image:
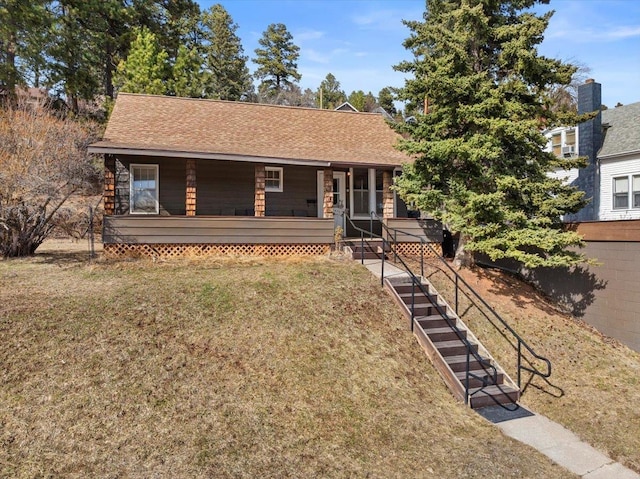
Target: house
<point>204,176</point>
<point>611,142</point>
<point>619,159</point>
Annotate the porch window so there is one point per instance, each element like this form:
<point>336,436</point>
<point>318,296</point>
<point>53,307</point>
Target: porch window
<point>144,189</point>
<point>361,192</point>
<point>621,192</point>
<point>273,179</point>
<point>379,192</point>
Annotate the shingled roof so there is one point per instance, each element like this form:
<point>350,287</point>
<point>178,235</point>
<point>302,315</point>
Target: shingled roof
<point>184,127</point>
<point>622,130</point>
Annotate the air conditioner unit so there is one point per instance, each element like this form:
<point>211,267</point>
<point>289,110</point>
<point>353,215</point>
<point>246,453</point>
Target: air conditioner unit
<point>568,151</point>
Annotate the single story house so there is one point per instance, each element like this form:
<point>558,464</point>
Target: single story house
<point>205,176</point>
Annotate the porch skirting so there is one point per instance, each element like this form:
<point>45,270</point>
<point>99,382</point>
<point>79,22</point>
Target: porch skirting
<point>414,249</point>
<point>159,250</point>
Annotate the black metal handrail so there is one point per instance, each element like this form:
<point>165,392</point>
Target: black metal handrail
<point>417,282</point>
<point>459,279</point>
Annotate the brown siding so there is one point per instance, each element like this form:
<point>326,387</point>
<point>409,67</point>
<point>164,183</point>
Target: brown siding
<point>606,296</point>
<point>299,195</point>
<point>225,188</point>
<point>172,184</point>
<point>429,229</point>
<point>222,230</point>
<point>623,230</point>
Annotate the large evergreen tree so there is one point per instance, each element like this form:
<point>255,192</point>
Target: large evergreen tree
<point>479,164</point>
<point>226,74</point>
<point>330,94</point>
<point>145,69</point>
<point>276,60</point>
<point>385,99</point>
<point>23,31</point>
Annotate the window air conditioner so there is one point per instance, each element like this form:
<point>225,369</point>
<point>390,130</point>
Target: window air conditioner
<point>568,151</point>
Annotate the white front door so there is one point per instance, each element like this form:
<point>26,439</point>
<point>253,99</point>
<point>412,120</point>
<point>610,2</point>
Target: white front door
<point>339,197</point>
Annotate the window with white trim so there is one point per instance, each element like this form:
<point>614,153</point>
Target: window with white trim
<point>273,179</point>
<point>361,192</point>
<point>144,189</point>
<point>621,192</point>
<point>636,191</point>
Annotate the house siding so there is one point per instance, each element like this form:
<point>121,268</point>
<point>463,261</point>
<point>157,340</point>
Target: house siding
<point>216,230</point>
<point>610,169</point>
<point>172,184</point>
<point>224,188</point>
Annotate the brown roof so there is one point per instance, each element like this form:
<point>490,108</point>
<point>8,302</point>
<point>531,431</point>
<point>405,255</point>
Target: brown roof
<point>156,125</point>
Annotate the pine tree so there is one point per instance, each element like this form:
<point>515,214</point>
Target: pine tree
<point>330,92</point>
<point>276,60</point>
<point>145,69</point>
<point>385,99</point>
<point>186,78</point>
<point>357,99</point>
<point>226,74</point>
<point>479,164</point>
<point>23,30</point>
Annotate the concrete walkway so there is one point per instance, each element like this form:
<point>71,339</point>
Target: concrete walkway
<point>550,438</point>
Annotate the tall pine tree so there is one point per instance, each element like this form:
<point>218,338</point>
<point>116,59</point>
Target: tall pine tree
<point>330,93</point>
<point>226,74</point>
<point>479,164</point>
<point>277,61</point>
<point>145,69</point>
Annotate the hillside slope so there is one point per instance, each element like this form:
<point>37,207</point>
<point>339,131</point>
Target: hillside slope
<point>227,368</point>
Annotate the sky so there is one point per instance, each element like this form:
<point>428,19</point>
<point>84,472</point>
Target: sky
<point>359,41</point>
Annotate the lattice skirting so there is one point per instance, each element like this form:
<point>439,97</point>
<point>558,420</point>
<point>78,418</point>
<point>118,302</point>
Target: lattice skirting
<point>413,249</point>
<point>115,250</point>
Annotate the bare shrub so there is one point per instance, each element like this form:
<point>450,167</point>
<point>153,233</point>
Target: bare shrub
<point>43,163</point>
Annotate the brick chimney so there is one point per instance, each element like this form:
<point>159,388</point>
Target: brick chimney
<point>589,143</point>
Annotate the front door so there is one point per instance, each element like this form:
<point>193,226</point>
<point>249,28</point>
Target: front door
<point>339,197</point>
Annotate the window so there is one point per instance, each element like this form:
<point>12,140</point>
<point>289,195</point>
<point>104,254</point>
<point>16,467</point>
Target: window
<point>144,189</point>
<point>361,191</point>
<point>570,138</point>
<point>621,192</point>
<point>273,179</point>
<point>636,191</point>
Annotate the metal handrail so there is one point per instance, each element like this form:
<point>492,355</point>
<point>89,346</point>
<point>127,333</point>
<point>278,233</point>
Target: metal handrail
<point>520,342</point>
<point>415,281</point>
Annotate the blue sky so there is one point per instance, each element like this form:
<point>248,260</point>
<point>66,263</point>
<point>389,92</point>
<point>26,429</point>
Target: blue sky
<point>359,41</point>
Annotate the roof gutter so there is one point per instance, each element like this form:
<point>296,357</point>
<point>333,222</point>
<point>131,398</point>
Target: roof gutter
<point>615,155</point>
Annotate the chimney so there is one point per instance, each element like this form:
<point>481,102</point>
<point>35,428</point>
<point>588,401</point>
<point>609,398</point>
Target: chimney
<point>589,143</point>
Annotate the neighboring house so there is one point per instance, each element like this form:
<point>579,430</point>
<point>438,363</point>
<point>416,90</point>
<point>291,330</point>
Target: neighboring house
<point>619,159</point>
<point>346,106</point>
<point>185,175</point>
<point>611,142</point>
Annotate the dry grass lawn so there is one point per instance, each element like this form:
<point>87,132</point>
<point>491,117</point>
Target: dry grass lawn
<point>594,389</point>
<point>226,368</point>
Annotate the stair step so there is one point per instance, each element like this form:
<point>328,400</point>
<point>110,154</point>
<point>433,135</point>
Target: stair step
<point>477,383</point>
<point>434,321</point>
<point>454,348</point>
<point>492,395</point>
<point>445,334</point>
<point>459,363</point>
<point>406,289</point>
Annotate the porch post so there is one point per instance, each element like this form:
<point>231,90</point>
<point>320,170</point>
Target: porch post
<point>387,194</point>
<point>109,185</point>
<point>259,202</point>
<point>191,187</point>
<point>327,203</point>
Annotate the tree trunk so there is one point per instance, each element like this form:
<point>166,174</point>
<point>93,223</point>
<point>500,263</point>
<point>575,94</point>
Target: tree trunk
<point>463,258</point>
